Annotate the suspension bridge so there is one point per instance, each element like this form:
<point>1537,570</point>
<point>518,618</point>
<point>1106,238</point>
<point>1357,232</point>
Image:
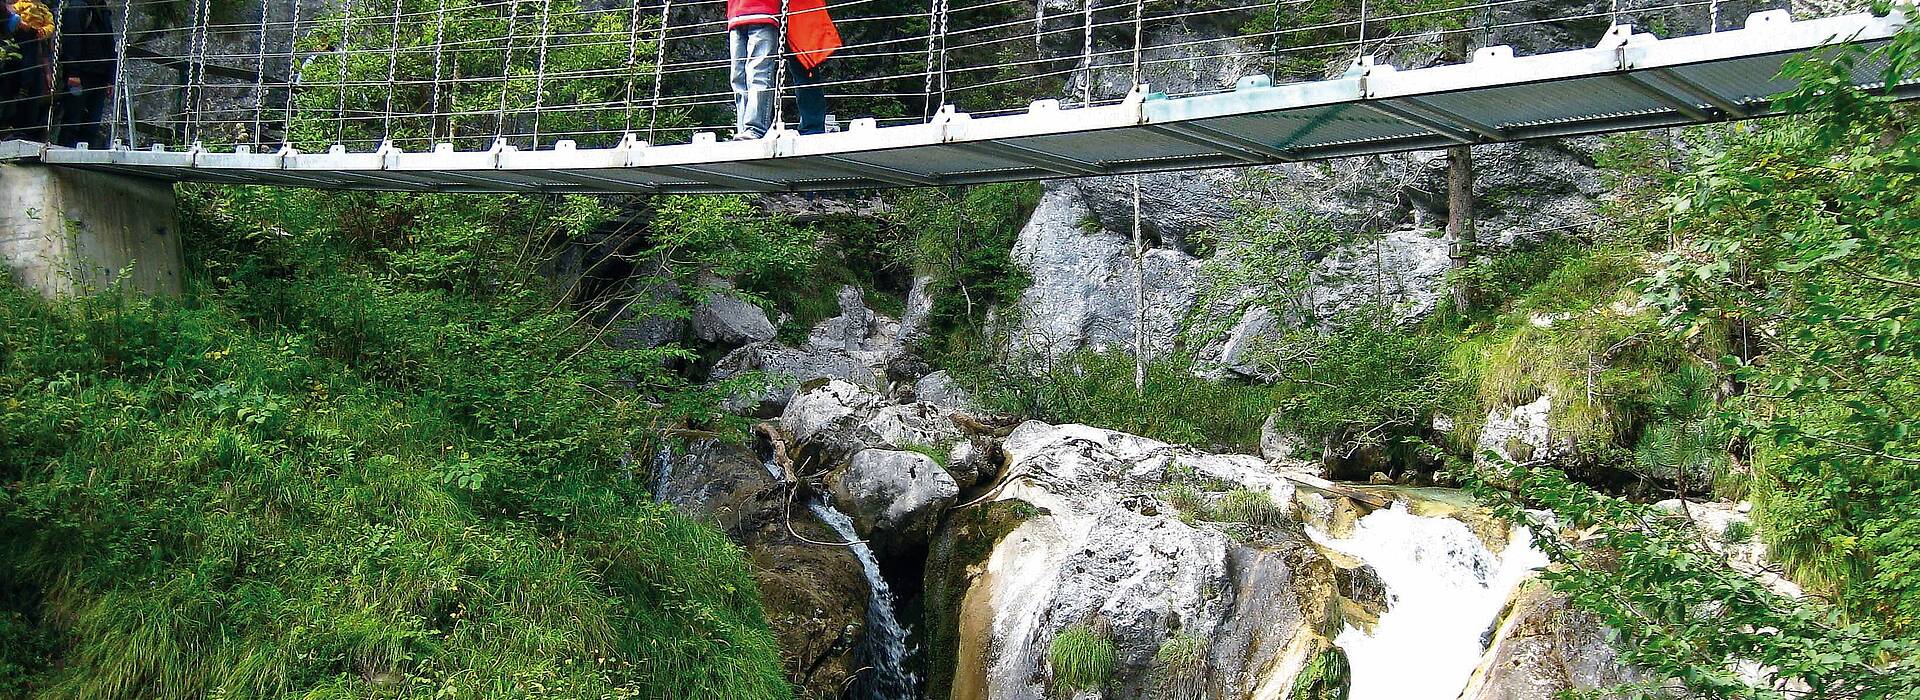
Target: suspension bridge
<point>444,106</point>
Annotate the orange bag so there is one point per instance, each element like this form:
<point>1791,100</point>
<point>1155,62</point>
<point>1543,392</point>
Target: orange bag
<point>811,32</point>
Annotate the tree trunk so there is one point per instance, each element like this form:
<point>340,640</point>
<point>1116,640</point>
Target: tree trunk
<point>1460,230</point>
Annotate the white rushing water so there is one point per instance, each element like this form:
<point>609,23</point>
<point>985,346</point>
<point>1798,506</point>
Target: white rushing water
<point>1444,589</point>
<point>883,649</point>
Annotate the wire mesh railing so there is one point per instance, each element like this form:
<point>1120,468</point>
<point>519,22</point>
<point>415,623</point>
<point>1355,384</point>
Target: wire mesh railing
<point>263,74</point>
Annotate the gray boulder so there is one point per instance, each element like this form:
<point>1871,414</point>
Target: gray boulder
<point>895,497</point>
<point>727,320</point>
<point>786,369</point>
<point>1544,647</point>
<point>1083,289</point>
<point>849,330</point>
<point>1522,433</point>
<point>813,411</point>
<point>939,388</point>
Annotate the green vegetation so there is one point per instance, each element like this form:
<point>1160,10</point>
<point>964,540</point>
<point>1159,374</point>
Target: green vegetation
<point>1359,384</point>
<point>1081,658</point>
<point>1790,281</point>
<point>1193,504</point>
<point>964,240</point>
<point>369,453</point>
<point>1325,677</point>
<point>1255,511</point>
<point>1097,388</point>
<point>591,105</point>
<point>1179,666</point>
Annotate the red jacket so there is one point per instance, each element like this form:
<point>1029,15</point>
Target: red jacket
<point>741,13</point>
<point>810,31</point>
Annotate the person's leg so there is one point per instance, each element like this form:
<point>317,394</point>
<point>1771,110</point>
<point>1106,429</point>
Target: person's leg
<point>93,108</point>
<point>756,115</point>
<point>812,99</point>
<point>737,74</point>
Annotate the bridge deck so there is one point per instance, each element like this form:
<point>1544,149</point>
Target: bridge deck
<point>1629,81</point>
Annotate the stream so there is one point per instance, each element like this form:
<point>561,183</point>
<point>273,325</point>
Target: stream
<point>1444,587</point>
<point>883,648</point>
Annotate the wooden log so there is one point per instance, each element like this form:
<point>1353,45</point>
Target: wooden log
<point>1324,486</point>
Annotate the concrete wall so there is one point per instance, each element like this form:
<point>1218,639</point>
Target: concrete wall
<point>65,232</point>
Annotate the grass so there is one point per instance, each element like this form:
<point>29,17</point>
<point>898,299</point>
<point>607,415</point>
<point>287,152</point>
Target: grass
<point>1180,666</point>
<point>1192,503</point>
<point>1080,658</point>
<point>334,469</point>
<point>1097,388</point>
<point>1254,510</point>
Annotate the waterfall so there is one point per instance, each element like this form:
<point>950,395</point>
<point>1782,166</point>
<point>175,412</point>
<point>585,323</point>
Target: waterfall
<point>883,650</point>
<point>1444,589</point>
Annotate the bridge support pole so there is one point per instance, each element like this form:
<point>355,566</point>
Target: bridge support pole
<point>67,232</point>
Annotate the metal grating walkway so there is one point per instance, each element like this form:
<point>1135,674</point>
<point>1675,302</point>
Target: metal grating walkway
<point>1629,81</point>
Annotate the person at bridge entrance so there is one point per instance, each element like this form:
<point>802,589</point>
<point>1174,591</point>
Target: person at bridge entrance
<point>23,69</point>
<point>753,33</point>
<point>87,60</point>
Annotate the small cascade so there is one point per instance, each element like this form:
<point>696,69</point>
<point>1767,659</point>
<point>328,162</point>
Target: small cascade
<point>662,471</point>
<point>883,650</point>
<point>1444,589</point>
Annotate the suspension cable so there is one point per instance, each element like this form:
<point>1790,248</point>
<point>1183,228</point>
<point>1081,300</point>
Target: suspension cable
<point>260,77</point>
<point>393,68</point>
<point>659,61</point>
<point>293,75</point>
<point>1086,57</point>
<point>433,98</point>
<point>506,71</point>
<point>928,109</point>
<point>779,58</point>
<point>540,71</point>
<point>1139,20</point>
<point>120,76</point>
<point>633,58</point>
<point>346,27</point>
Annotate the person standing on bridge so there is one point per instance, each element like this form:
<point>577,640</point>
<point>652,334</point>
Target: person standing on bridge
<point>23,76</point>
<point>88,55</point>
<point>753,33</point>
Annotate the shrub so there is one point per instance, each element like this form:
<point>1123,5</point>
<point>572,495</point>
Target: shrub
<point>1362,382</point>
<point>1080,658</point>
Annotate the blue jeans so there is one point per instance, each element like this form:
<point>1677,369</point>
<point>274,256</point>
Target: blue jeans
<point>751,54</point>
<point>751,51</point>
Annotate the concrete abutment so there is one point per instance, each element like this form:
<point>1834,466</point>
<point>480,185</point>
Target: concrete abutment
<point>65,232</point>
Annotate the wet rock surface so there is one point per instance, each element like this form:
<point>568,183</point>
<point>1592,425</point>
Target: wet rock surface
<point>814,597</point>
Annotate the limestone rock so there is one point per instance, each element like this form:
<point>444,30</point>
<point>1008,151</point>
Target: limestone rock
<point>1522,433</point>
<point>939,388</point>
<point>1092,549</point>
<point>727,320</point>
<point>1543,647</point>
<point>895,497</point>
<point>812,411</point>
<point>848,331</point>
<point>788,368</point>
<point>919,424</point>
<point>1083,289</point>
<point>1279,444</point>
